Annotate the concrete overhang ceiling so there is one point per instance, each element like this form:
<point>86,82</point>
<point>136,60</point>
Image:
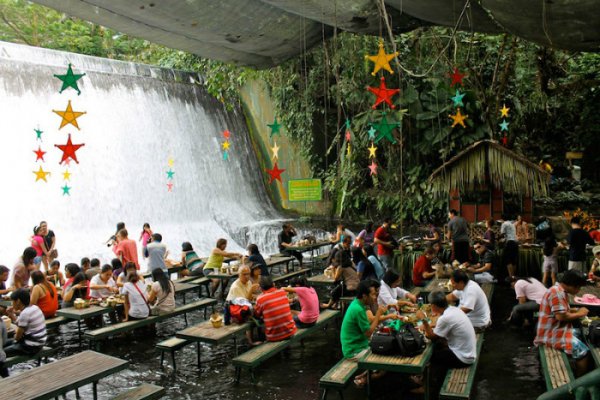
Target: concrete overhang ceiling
<point>264,33</point>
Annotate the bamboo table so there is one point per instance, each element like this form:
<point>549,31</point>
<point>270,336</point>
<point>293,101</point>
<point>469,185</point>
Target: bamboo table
<point>57,378</point>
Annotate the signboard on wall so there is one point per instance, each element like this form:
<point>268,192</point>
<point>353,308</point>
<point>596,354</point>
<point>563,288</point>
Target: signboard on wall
<point>305,190</point>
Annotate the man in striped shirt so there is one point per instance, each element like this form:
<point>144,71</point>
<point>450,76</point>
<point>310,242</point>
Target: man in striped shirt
<point>273,307</point>
<point>30,336</point>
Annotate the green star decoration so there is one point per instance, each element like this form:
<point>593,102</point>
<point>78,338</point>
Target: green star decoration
<point>170,174</point>
<point>372,133</point>
<point>457,99</point>
<point>347,124</point>
<point>385,129</point>
<point>38,133</point>
<point>69,80</point>
<point>275,126</point>
<point>504,125</point>
<point>66,190</point>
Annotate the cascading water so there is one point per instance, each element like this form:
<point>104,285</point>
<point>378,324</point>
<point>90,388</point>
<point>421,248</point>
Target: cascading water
<point>138,117</point>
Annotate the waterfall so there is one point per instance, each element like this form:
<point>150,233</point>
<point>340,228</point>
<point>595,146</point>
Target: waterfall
<point>137,118</point>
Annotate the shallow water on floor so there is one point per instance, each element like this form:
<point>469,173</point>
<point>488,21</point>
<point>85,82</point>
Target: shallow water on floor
<point>509,366</point>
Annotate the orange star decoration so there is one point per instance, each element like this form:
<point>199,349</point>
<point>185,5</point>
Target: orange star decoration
<point>69,150</point>
<point>275,173</point>
<point>69,116</point>
<point>458,118</point>
<point>456,77</point>
<point>382,60</point>
<point>383,94</point>
<point>41,174</point>
<point>504,111</point>
<point>373,168</point>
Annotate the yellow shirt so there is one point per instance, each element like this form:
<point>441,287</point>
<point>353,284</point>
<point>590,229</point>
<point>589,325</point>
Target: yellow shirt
<point>215,261</point>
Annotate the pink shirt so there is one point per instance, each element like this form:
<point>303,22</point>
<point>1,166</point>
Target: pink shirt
<point>37,244</point>
<point>145,238</point>
<point>531,291</point>
<point>128,250</point>
<point>309,304</point>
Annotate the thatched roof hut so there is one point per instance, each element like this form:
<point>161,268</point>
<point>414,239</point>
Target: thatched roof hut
<point>489,163</point>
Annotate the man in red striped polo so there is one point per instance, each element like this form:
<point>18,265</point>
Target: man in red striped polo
<point>273,307</point>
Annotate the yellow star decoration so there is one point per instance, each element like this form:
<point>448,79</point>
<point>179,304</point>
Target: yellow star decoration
<point>225,145</point>
<point>275,150</point>
<point>458,118</point>
<point>66,175</point>
<point>382,60</point>
<point>69,116</point>
<point>41,174</point>
<point>504,111</point>
<point>349,150</point>
<point>372,151</point>
<point>171,162</point>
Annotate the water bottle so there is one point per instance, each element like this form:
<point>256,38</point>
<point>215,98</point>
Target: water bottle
<point>227,315</point>
<point>420,301</point>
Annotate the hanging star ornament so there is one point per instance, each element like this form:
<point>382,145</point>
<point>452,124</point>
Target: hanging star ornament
<point>226,134</point>
<point>66,190</point>
<point>69,80</point>
<point>373,168</point>
<point>225,155</point>
<point>456,77</point>
<point>69,116</point>
<point>348,136</point>
<point>170,162</point>
<point>38,134</point>
<point>458,118</point>
<point>382,60</point>
<point>275,150</point>
<point>385,129</point>
<point>225,145</point>
<point>69,150</point>
<point>457,99</point>
<point>372,133</point>
<point>505,140</point>
<point>504,111</point>
<point>383,94</point>
<point>275,127</point>
<point>41,174</point>
<point>170,187</point>
<point>39,154</point>
<point>275,173</point>
<point>349,150</point>
<point>504,125</point>
<point>347,124</point>
<point>372,151</point>
<point>67,162</point>
<point>170,174</point>
<point>66,175</point>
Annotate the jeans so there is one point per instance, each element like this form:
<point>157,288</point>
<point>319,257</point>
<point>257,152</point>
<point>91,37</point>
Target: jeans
<point>522,311</point>
<point>386,261</point>
<point>15,348</point>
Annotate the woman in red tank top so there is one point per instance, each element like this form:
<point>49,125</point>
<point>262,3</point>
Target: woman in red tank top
<point>44,294</point>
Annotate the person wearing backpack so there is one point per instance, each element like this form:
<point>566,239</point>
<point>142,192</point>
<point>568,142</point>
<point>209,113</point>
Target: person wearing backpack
<point>455,343</point>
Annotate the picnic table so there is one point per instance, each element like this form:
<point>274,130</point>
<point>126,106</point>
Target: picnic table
<point>70,373</point>
<point>79,314</point>
<point>320,280</point>
<point>406,365</point>
<point>183,288</point>
<point>206,333</point>
<point>274,261</point>
<point>170,270</point>
<point>312,247</point>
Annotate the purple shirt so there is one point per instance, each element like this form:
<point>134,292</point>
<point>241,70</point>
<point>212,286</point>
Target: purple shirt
<point>309,304</point>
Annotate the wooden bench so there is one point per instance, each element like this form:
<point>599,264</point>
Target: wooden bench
<point>338,377</point>
<point>145,391</point>
<point>55,321</point>
<point>21,358</point>
<point>459,381</point>
<point>488,289</point>
<point>344,302</point>
<point>290,275</point>
<point>556,367</point>
<point>259,354</point>
<point>110,330</point>
<point>172,345</point>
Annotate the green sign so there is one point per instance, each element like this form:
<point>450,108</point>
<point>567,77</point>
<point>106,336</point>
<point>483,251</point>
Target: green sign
<point>304,190</point>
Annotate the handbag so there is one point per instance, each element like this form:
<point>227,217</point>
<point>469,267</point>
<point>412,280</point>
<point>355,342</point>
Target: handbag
<point>410,341</point>
<point>384,343</point>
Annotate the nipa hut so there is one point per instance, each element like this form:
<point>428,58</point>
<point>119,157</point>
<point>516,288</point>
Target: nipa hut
<point>477,178</point>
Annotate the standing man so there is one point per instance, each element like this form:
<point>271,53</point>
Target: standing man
<point>285,240</point>
<point>385,244</point>
<point>126,249</point>
<point>156,251</point>
<point>577,239</point>
<point>458,232</point>
<point>511,246</point>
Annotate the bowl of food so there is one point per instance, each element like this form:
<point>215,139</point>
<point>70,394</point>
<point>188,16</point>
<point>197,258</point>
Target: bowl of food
<point>79,304</point>
<point>111,301</point>
<point>216,320</point>
<point>7,322</point>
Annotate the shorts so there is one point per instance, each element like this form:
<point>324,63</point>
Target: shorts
<point>301,324</point>
<point>511,253</point>
<point>550,265</point>
<point>37,260</point>
<point>580,350</point>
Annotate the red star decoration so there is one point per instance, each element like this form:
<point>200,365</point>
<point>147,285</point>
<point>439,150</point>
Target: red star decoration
<point>275,173</point>
<point>504,140</point>
<point>69,150</point>
<point>39,154</point>
<point>68,162</point>
<point>348,136</point>
<point>457,77</point>
<point>383,94</point>
<point>226,134</point>
<point>170,187</point>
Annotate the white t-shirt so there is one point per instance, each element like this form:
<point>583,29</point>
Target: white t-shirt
<point>473,298</point>
<point>509,231</point>
<point>453,325</point>
<point>389,295</point>
<point>533,290</point>
<point>138,307</point>
<point>238,289</point>
<point>101,293</point>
